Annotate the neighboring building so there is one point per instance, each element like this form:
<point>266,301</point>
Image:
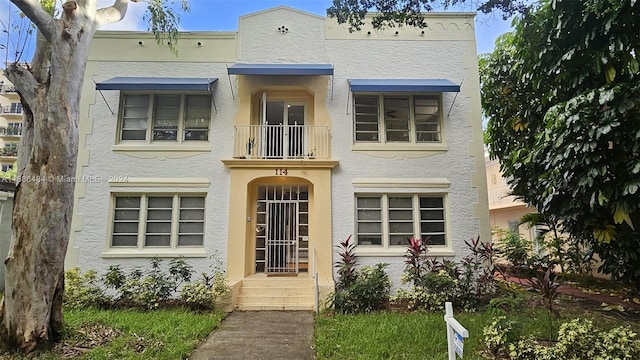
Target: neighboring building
<point>272,144</point>
<point>505,210</point>
<point>10,123</point>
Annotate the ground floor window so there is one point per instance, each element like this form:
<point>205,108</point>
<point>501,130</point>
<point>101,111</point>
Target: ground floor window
<point>158,221</point>
<point>388,220</point>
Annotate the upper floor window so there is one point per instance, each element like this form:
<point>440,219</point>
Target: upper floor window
<point>387,118</point>
<point>165,117</point>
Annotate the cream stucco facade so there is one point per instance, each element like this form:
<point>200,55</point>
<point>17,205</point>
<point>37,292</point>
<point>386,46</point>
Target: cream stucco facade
<point>505,210</point>
<point>279,176</point>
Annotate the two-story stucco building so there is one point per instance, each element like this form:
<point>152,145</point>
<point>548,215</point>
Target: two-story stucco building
<point>272,144</point>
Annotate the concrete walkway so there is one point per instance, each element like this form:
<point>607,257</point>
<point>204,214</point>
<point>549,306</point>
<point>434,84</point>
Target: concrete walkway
<point>267,335</point>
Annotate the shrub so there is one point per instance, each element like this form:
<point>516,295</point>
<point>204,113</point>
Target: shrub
<point>577,339</point>
<point>434,290</point>
<point>415,260</point>
<point>346,264</point>
<point>358,290</point>
<point>498,335</point>
<point>515,249</point>
<point>368,292</point>
<point>149,288</point>
<point>82,290</point>
<point>434,282</point>
<point>203,293</point>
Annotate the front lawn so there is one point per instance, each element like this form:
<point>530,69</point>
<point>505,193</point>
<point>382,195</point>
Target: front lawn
<point>391,335</point>
<point>132,334</point>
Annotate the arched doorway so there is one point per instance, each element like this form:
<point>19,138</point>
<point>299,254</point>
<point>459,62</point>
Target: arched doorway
<point>282,229</point>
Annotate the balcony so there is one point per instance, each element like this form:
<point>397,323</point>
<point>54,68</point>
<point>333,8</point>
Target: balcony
<point>7,89</point>
<point>11,110</point>
<point>281,142</point>
<point>10,131</point>
<point>9,152</point>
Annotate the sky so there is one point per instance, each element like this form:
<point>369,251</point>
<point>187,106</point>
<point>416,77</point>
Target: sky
<point>222,15</point>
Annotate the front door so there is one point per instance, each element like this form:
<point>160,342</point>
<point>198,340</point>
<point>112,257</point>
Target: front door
<point>282,236</point>
<point>282,229</point>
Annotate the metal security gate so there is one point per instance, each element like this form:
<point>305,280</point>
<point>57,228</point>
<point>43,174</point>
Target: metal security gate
<point>282,235</point>
<point>282,229</point>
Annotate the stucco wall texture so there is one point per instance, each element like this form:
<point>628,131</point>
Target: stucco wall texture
<point>445,51</point>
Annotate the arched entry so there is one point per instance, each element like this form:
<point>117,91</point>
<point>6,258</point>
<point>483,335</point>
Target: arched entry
<point>282,229</point>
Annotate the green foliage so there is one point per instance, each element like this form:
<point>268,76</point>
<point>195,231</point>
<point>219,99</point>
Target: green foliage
<point>358,290</point>
<point>513,247</point>
<point>147,288</point>
<point>499,334</point>
<point>368,292</point>
<point>577,339</point>
<point>409,12</point>
<point>434,282</point>
<point>163,18</point>
<point>563,99</point>
<point>82,290</point>
<point>203,293</point>
<point>9,174</point>
<point>436,288</point>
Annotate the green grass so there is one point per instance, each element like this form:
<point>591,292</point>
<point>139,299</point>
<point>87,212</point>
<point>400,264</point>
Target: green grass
<point>388,335</point>
<point>159,334</point>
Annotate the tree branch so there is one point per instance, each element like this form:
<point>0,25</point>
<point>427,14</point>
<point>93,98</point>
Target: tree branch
<point>41,62</point>
<point>24,82</point>
<point>114,13</point>
<point>34,11</point>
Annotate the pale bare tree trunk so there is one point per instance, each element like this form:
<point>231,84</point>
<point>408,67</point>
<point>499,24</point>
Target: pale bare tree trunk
<point>50,88</point>
<point>31,309</point>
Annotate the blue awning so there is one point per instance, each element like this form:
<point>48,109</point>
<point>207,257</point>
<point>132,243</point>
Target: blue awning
<point>156,83</point>
<point>403,85</point>
<point>280,69</point>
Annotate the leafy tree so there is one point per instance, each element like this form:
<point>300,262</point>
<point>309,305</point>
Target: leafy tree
<point>49,88</point>
<point>563,98</point>
<point>10,174</point>
<point>411,12</point>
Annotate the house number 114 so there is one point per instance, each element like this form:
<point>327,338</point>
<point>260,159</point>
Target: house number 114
<point>282,172</point>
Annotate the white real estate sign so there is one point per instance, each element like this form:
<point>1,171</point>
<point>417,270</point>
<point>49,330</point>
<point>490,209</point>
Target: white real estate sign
<point>456,333</point>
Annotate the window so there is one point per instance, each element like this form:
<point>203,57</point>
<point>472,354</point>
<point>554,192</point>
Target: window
<point>165,117</point>
<point>514,225</point>
<point>161,221</point>
<point>389,219</point>
<point>10,149</point>
<point>397,118</point>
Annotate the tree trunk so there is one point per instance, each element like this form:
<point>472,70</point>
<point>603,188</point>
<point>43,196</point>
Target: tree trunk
<point>31,317</point>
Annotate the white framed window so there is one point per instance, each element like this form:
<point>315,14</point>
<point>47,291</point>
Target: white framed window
<point>161,221</point>
<point>396,118</point>
<point>388,220</point>
<point>164,117</point>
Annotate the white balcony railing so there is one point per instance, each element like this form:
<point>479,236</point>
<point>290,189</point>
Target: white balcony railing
<point>13,109</point>
<point>281,142</point>
<point>7,89</point>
